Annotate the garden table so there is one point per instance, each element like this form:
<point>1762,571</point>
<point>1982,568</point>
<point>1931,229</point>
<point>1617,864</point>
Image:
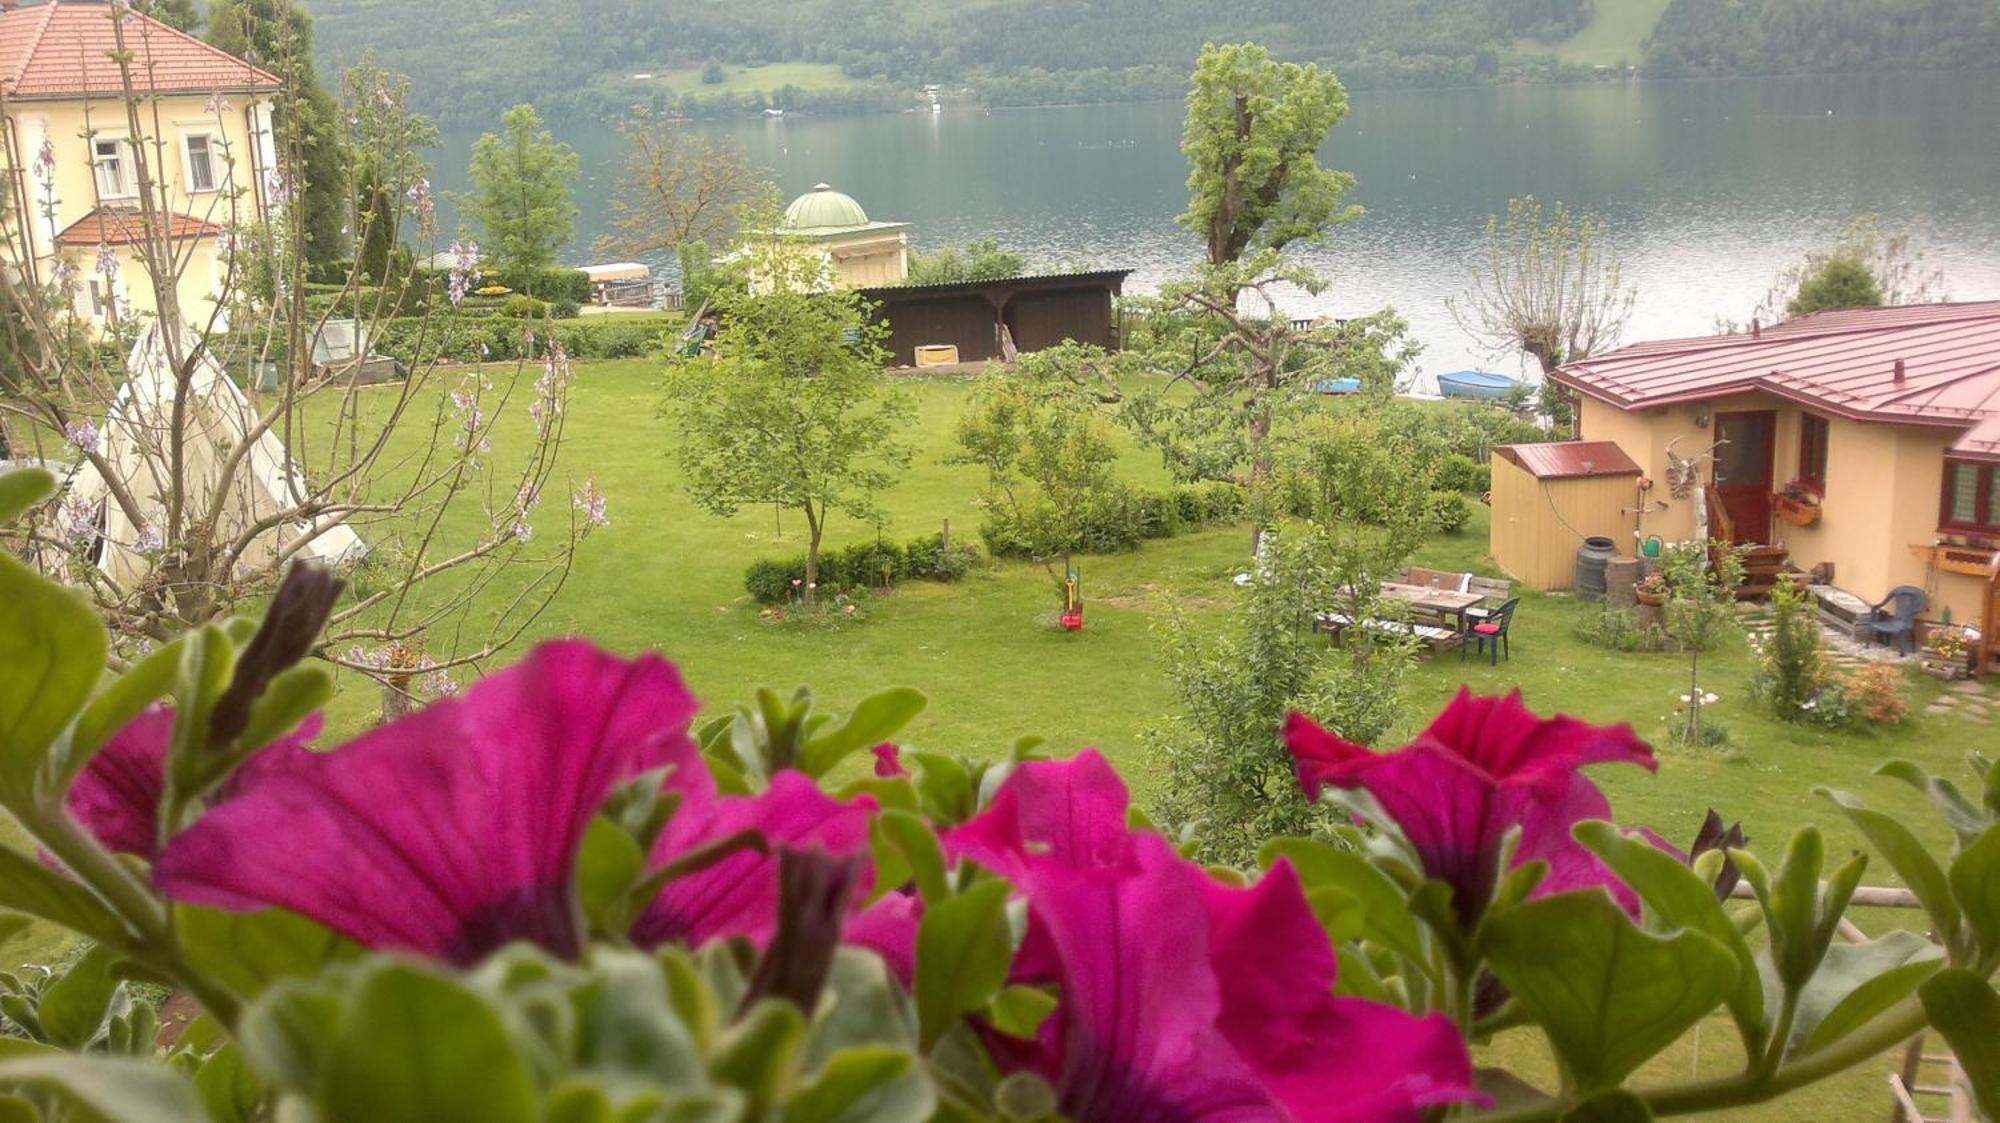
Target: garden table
<point>1446,603</point>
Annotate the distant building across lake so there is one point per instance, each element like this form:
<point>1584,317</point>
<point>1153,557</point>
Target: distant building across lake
<point>996,319</point>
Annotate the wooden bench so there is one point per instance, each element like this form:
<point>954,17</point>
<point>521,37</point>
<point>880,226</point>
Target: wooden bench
<point>1839,609</point>
<point>1334,624</point>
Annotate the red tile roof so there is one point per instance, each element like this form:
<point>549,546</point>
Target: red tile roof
<point>118,226</point>
<point>64,49</point>
<point>1561,460</point>
<point>1925,364</point>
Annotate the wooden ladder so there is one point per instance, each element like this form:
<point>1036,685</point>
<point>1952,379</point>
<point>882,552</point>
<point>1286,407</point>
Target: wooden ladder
<point>1954,1090</point>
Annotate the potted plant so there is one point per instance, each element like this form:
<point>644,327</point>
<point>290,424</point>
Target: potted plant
<point>1651,589</point>
<point>1796,504</point>
<point>1945,652</point>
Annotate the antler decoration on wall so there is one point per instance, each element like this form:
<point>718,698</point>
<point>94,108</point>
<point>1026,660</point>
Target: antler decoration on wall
<point>1684,472</point>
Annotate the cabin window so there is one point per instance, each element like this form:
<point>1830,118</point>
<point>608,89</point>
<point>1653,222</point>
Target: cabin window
<point>1812,452</point>
<point>1971,497</point>
<point>111,160</point>
<point>201,163</point>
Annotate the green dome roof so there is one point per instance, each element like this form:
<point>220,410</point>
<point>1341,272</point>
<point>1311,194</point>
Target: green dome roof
<point>823,207</point>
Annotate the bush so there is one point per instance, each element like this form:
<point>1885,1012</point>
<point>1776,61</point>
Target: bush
<point>1449,512</point>
<point>1117,523</point>
<point>1461,473</point>
<point>524,308</point>
<point>415,339</point>
<point>860,567</point>
<point>869,565</point>
<point>770,582</point>
<point>564,309</point>
<point>927,559</point>
<point>1875,691</point>
<point>1617,629</point>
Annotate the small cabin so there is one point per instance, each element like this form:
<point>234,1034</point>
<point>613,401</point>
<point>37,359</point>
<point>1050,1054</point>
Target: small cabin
<point>1548,497</point>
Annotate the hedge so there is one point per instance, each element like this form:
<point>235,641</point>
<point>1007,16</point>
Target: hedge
<point>1116,523</point>
<point>865,565</point>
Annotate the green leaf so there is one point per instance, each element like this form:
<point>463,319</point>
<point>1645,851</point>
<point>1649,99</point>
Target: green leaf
<point>1385,911</point>
<point>946,787</point>
<point>229,1091</point>
<point>1616,1106</point>
<point>1024,1097</point>
<point>248,951</point>
<point>21,489</point>
<point>287,700</point>
<point>1965,1009</point>
<point>963,948</point>
<point>863,1005</point>
<point>920,849</point>
<point>72,1009</point>
<point>1855,982</point>
<point>1608,995</point>
<point>114,1090</point>
<point>52,651</point>
<point>876,719</point>
<point>28,886</point>
<point>1019,1011</point>
<point>1975,883</point>
<point>608,867</point>
<point>150,679</point>
<point>863,1085</point>
<point>1910,859</point>
<point>1680,898</point>
<point>756,1055</point>
<point>625,1024</point>
<point>13,924</point>
<point>417,1046</point>
<point>14,1109</point>
<point>1966,819</point>
<point>286,1033</point>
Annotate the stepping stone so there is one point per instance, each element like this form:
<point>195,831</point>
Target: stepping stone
<point>1967,686</point>
<point>1945,702</point>
<point>1935,710</point>
<point>1976,719</point>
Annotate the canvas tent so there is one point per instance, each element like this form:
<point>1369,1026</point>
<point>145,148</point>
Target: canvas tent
<point>219,418</point>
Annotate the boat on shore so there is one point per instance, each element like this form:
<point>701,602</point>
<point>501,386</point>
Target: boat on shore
<point>1476,385</point>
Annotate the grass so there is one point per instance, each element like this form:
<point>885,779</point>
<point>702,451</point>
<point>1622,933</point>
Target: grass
<point>749,79</point>
<point>1616,34</point>
<point>666,575</point>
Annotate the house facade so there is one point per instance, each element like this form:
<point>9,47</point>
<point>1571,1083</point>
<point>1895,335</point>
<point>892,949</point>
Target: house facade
<point>1865,442</point>
<point>87,196</point>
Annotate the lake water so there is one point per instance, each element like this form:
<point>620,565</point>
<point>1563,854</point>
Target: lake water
<point>1709,187</point>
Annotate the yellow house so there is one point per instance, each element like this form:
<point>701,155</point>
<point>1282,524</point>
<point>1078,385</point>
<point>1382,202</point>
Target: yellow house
<point>1864,442</point>
<point>853,252</point>
<point>87,196</point>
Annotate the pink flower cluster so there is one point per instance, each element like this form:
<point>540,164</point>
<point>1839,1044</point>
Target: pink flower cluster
<point>456,830</point>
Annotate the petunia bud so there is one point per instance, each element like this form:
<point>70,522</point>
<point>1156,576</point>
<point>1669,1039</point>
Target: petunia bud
<point>299,610</point>
<point>813,893</point>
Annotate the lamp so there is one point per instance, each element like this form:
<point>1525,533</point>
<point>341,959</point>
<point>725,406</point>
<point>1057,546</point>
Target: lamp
<point>1701,416</point>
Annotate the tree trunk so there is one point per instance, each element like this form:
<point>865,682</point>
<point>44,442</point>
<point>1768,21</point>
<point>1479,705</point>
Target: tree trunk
<point>813,528</point>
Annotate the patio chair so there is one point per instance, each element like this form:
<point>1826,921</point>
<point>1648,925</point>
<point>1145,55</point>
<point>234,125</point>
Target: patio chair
<point>1900,622</point>
<point>1491,633</point>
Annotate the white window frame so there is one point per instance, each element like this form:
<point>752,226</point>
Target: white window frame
<point>119,158</point>
<point>218,174</point>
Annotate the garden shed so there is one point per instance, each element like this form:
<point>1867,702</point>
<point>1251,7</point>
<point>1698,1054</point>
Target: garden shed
<point>1547,498</point>
<point>994,319</point>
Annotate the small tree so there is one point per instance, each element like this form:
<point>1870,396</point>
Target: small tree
<point>1548,285</point>
<point>676,188</point>
<point>1835,282</point>
<point>1701,595</point>
<point>1793,668</point>
<point>521,192</point>
<point>1252,136</point>
<point>794,408</point>
<point>1866,266</point>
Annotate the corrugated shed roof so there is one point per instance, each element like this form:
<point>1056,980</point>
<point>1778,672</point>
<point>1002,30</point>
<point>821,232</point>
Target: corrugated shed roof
<point>1116,277</point>
<point>1929,364</point>
<point>1560,460</point>
<point>64,49</point>
<point>109,226</point>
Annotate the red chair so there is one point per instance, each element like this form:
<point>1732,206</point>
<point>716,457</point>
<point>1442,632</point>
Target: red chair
<point>1490,633</point>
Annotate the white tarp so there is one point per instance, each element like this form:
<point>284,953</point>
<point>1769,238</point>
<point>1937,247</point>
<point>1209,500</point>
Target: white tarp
<point>217,419</point>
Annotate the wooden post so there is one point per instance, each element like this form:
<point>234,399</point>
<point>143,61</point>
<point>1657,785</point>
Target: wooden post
<point>946,536</point>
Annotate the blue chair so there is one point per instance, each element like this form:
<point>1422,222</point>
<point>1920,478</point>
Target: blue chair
<point>1900,622</point>
<point>1490,632</point>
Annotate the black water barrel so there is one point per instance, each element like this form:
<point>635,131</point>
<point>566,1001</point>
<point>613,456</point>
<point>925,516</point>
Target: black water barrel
<point>1590,561</point>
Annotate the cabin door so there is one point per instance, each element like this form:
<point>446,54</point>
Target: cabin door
<point>1743,470</point>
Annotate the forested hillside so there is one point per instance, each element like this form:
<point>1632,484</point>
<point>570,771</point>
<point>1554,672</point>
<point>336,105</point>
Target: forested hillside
<point>595,57</point>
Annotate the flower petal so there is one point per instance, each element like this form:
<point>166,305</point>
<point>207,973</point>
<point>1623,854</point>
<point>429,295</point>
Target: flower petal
<point>1509,741</point>
<point>739,894</point>
<point>1067,811</point>
<point>454,830</point>
<point>1323,757</point>
<point>889,760</point>
<point>889,929</point>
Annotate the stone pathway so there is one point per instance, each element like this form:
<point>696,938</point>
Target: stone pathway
<point>1967,699</point>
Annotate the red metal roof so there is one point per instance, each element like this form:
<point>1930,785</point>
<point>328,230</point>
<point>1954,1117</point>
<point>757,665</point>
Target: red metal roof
<point>110,226</point>
<point>1927,364</point>
<point>64,49</point>
<point>1561,460</point>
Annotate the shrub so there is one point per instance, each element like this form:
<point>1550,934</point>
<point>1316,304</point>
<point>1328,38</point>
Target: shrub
<point>770,582</point>
<point>1791,671</point>
<point>860,567</point>
<point>1119,521</point>
<point>564,309</point>
<point>524,308</point>
<point>1617,629</point>
<point>1875,691</point>
<point>928,559</point>
<point>870,565</point>
<point>1458,472</point>
<point>1449,512</point>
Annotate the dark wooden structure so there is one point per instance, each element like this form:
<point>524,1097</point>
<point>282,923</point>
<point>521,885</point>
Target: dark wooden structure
<point>978,317</point>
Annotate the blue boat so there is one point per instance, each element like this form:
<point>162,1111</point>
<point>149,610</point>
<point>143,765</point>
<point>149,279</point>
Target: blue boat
<point>1479,385</point>
<point>1338,386</point>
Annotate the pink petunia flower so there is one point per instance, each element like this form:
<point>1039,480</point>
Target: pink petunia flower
<point>1485,765</point>
<point>117,795</point>
<point>889,761</point>
<point>1180,998</point>
<point>738,896</point>
<point>454,830</point>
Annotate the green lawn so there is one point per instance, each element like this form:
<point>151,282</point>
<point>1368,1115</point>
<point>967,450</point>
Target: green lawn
<point>666,575</point>
<point>747,79</point>
<point>1616,34</point>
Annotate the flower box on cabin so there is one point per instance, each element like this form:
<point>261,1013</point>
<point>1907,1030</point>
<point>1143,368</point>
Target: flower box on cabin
<point>1798,512</point>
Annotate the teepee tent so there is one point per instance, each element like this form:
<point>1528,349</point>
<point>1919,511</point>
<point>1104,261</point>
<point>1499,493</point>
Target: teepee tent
<point>217,420</point>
